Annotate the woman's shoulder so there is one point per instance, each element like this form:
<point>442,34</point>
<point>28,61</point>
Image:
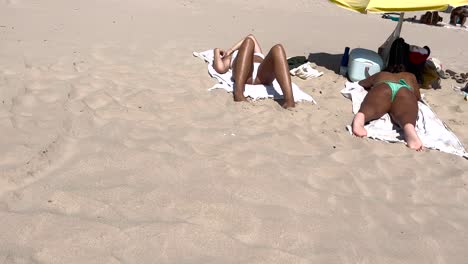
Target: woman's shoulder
<point>407,75</point>
<point>383,76</point>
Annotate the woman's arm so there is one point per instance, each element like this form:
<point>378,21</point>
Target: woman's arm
<point>221,62</point>
<point>235,47</point>
<point>238,44</point>
<point>417,92</point>
<point>222,59</point>
<point>368,82</point>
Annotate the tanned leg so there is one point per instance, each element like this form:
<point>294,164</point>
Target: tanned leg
<point>463,20</point>
<point>242,68</point>
<point>275,66</point>
<point>453,19</point>
<point>404,112</point>
<point>257,49</point>
<point>358,125</point>
<point>376,103</point>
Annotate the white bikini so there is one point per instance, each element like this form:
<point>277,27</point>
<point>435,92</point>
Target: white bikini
<point>255,65</point>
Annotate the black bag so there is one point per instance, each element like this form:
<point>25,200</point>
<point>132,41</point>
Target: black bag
<point>399,53</point>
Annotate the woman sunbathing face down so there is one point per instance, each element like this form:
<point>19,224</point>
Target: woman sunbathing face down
<point>250,66</point>
<point>394,92</point>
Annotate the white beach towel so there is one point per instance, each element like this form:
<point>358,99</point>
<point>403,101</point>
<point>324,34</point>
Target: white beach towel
<point>450,26</point>
<point>253,91</point>
<point>433,132</point>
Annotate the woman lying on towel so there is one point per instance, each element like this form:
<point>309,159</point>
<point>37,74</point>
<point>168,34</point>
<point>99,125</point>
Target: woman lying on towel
<point>394,92</point>
<point>250,66</point>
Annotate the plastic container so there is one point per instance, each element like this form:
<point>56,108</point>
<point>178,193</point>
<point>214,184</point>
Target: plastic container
<point>363,63</point>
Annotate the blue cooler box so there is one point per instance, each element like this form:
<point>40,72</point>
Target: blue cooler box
<point>359,60</point>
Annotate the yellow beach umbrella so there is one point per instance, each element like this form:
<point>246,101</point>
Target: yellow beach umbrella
<point>364,6</point>
<point>457,3</point>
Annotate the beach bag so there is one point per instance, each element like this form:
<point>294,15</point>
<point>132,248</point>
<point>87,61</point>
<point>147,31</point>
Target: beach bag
<point>437,65</point>
<point>384,49</point>
<point>417,60</point>
<point>399,53</point>
<point>431,77</point>
<point>411,56</point>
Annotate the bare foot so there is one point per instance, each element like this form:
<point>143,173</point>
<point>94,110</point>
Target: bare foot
<point>358,125</point>
<point>412,138</point>
<point>239,92</point>
<point>288,104</point>
<point>239,98</point>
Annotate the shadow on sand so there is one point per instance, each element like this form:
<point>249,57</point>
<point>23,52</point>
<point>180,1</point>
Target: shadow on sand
<point>330,61</point>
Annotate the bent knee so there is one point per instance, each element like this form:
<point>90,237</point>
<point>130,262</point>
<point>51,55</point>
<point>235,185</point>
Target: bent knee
<point>278,48</point>
<point>250,36</point>
<point>248,42</point>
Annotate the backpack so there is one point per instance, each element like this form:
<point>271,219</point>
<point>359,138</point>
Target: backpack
<point>399,53</point>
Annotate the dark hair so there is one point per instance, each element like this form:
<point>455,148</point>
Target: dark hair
<point>396,68</point>
<point>428,50</point>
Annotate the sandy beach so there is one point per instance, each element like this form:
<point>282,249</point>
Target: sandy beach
<point>114,151</point>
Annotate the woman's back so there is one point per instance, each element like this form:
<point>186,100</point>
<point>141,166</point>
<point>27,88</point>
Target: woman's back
<point>383,77</point>
<point>394,77</point>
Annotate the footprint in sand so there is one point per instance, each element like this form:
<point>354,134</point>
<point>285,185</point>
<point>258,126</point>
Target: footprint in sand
<point>81,66</point>
<point>50,97</point>
<point>98,100</point>
<point>9,257</point>
<point>99,53</point>
<point>12,2</point>
<point>80,90</point>
<point>25,101</point>
<point>35,86</point>
<point>39,166</point>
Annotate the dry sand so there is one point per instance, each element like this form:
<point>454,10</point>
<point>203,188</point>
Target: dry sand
<point>113,151</point>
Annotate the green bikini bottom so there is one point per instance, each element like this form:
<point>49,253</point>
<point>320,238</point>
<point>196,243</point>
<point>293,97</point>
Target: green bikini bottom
<point>396,86</point>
